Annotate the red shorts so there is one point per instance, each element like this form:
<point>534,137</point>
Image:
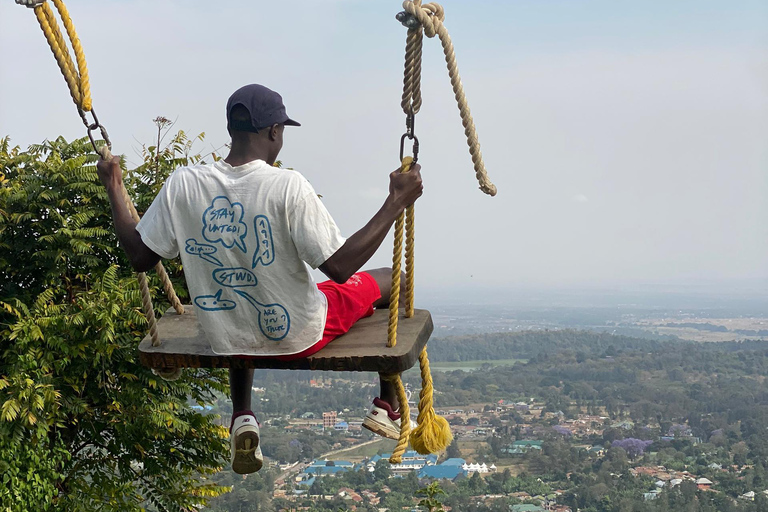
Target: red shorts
<point>347,303</point>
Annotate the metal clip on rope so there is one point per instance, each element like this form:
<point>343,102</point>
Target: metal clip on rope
<point>30,3</point>
<point>410,122</point>
<point>90,127</point>
<point>408,20</point>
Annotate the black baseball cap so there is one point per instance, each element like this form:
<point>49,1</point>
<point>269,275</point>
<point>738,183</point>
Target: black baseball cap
<point>265,106</point>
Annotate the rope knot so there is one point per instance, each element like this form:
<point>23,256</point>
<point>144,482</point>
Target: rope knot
<point>430,15</point>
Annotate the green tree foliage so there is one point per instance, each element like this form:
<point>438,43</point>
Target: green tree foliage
<point>82,425</point>
<point>251,493</point>
<point>431,502</point>
<point>382,471</point>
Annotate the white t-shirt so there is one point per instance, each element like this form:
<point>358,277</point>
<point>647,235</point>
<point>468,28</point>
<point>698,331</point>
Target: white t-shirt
<point>244,234</point>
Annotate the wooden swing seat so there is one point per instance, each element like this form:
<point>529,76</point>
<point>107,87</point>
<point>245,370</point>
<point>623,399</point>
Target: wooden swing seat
<point>362,349</point>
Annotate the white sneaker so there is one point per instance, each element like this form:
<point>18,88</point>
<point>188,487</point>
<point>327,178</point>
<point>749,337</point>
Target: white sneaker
<point>382,420</point>
<point>244,441</point>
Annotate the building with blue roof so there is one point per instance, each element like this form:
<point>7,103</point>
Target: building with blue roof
<point>305,481</point>
<point>522,446</point>
<point>441,472</point>
<point>325,468</point>
<point>408,455</point>
<point>411,461</point>
<point>451,469</point>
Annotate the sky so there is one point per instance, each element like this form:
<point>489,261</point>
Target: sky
<point>628,140</point>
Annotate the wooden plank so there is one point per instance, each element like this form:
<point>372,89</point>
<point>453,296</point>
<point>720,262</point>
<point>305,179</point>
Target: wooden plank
<point>362,349</point>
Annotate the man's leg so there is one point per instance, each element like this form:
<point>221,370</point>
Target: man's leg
<point>383,277</point>
<point>244,429</point>
<point>349,302</point>
<point>240,384</point>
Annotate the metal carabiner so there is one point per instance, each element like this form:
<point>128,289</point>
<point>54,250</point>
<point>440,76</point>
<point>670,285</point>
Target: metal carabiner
<point>93,126</point>
<point>414,149</point>
<point>410,133</point>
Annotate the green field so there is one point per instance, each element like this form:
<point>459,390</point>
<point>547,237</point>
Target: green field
<point>445,366</point>
<point>362,452</point>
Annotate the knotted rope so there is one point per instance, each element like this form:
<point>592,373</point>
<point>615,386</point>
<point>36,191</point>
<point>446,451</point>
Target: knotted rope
<point>429,19</point>
<point>80,90</point>
<point>433,433</point>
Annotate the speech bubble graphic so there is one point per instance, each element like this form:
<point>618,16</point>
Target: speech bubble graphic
<point>223,222</point>
<point>214,302</point>
<point>235,277</point>
<point>205,251</point>
<point>274,320</point>
<point>264,252</point>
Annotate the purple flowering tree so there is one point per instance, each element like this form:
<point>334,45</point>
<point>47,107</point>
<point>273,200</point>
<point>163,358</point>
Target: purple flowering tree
<point>633,446</point>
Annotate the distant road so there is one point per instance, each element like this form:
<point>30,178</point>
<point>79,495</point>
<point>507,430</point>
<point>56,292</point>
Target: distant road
<point>298,468</point>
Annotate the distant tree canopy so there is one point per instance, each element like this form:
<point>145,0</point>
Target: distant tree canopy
<point>83,426</point>
<point>535,344</point>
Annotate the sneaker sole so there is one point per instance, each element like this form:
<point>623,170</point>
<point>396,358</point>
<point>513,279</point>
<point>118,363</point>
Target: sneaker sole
<point>381,429</point>
<point>248,457</point>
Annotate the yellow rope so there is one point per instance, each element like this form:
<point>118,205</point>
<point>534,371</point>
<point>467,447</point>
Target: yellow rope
<point>82,68</point>
<point>76,78</point>
<point>409,259</point>
<point>394,294</point>
<point>405,418</point>
<point>50,29</point>
<point>397,256</point>
<point>433,434</point>
<point>160,269</point>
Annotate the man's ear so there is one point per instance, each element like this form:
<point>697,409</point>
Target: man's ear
<point>273,131</point>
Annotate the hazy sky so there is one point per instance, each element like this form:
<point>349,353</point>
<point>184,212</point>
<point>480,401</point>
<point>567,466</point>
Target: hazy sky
<point>628,140</point>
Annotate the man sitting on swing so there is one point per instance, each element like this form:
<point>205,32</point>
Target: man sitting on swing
<point>246,231</point>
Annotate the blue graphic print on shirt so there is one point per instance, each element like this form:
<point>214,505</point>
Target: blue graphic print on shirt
<point>263,253</point>
<point>223,223</point>
<point>205,251</point>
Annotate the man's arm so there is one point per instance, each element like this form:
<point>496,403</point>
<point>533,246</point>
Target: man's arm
<point>142,258</point>
<point>404,189</point>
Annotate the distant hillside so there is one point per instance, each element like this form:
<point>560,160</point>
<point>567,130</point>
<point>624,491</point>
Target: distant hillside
<point>531,344</point>
<point>528,345</point>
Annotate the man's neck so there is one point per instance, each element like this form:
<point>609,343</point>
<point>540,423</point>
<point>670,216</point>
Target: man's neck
<point>242,155</point>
